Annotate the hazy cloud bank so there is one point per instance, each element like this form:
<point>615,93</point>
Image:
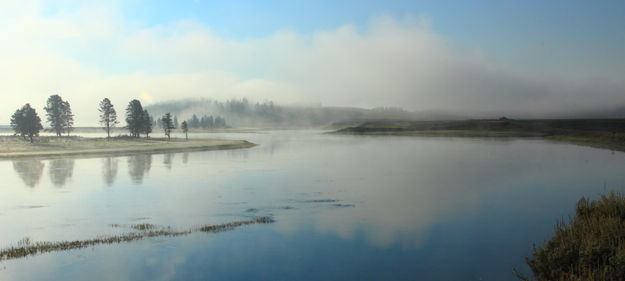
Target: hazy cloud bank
<point>93,51</point>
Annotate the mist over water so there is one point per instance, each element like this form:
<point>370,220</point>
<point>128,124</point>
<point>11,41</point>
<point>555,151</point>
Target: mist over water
<point>351,208</point>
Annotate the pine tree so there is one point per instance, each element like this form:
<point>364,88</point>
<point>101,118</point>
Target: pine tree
<point>134,118</point>
<point>108,116</point>
<point>147,124</point>
<point>67,117</point>
<point>195,122</point>
<point>59,115</point>
<point>185,129</point>
<point>168,124</point>
<point>26,122</point>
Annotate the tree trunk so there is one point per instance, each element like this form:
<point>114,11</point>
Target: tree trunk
<point>108,131</point>
<point>31,138</point>
<point>186,136</point>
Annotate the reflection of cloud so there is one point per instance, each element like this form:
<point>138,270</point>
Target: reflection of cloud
<point>29,170</point>
<point>402,188</point>
<point>138,165</point>
<point>60,171</point>
<point>109,170</point>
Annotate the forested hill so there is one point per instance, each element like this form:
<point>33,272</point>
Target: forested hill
<point>242,113</point>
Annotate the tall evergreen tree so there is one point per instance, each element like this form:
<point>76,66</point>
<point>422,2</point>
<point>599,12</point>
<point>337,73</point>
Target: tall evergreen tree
<point>220,122</point>
<point>147,123</point>
<point>67,117</point>
<point>210,123</point>
<point>195,122</point>
<point>134,118</point>
<point>168,124</point>
<point>185,129</point>
<point>108,116</point>
<point>26,122</point>
<point>59,115</point>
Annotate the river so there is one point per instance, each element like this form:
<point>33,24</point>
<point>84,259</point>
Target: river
<point>345,208</point>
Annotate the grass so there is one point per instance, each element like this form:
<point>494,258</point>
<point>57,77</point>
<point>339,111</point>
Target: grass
<point>590,246</point>
<point>12,147</point>
<point>602,133</point>
<point>608,141</point>
<point>26,247</point>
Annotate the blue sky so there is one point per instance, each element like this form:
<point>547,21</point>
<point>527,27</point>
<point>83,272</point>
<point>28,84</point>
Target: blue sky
<point>515,31</point>
<point>524,58</point>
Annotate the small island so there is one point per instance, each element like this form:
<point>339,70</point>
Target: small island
<point>74,146</point>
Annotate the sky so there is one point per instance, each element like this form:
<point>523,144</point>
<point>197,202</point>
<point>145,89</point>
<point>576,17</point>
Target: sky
<point>519,58</point>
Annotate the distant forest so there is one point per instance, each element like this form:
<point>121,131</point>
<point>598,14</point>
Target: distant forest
<point>243,113</point>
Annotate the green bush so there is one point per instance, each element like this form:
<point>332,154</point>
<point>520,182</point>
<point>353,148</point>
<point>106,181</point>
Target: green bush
<point>591,246</point>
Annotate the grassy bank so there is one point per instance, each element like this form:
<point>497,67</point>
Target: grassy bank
<point>589,246</point>
<point>51,147</point>
<point>603,133</point>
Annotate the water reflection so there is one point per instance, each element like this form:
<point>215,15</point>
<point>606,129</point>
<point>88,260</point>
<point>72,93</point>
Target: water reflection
<point>109,170</point>
<point>406,208</point>
<point>167,160</point>
<point>60,171</point>
<point>138,165</point>
<point>185,158</point>
<point>30,171</point>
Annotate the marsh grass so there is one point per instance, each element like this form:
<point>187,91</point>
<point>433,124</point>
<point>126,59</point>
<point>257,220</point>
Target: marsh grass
<point>26,247</point>
<point>143,226</point>
<point>590,246</point>
<point>600,133</point>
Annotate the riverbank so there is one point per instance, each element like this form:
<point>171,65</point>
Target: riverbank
<point>54,147</point>
<point>601,133</point>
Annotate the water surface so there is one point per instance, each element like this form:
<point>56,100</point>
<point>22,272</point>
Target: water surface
<point>346,208</point>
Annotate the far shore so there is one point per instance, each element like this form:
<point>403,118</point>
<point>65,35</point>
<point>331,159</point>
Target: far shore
<point>599,133</point>
<point>14,147</point>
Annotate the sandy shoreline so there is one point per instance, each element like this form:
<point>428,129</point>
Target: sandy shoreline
<point>53,147</point>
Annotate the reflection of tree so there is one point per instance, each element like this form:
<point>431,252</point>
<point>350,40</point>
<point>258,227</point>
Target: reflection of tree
<point>167,160</point>
<point>29,170</point>
<point>185,158</point>
<point>109,170</point>
<point>138,165</point>
<point>61,170</point>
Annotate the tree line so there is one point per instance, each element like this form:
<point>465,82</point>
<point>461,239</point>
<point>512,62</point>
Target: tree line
<point>207,121</point>
<point>27,123</point>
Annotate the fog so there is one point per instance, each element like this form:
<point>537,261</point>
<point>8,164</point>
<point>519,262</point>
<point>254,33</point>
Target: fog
<point>94,51</point>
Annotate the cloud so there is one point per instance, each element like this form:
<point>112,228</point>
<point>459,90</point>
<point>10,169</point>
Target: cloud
<point>93,51</point>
